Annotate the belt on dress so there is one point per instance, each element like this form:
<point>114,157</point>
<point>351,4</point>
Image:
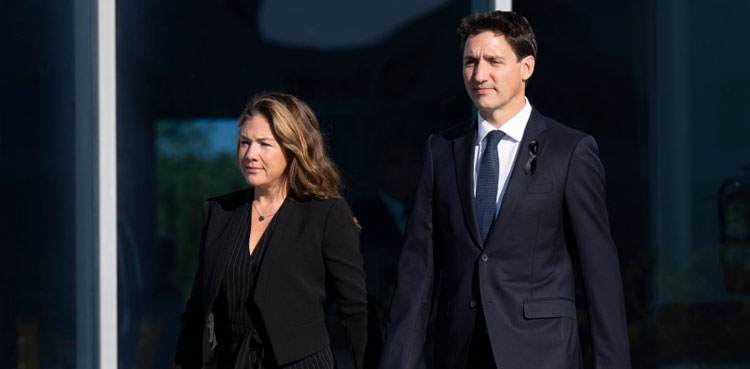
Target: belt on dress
<point>250,342</point>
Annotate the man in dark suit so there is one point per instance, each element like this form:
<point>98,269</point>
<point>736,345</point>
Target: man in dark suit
<point>506,202</point>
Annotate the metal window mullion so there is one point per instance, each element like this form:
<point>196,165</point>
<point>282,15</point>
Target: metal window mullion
<point>505,5</point>
<point>107,180</point>
<point>481,6</point>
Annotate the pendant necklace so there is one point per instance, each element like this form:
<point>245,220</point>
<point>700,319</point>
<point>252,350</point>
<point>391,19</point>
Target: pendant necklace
<point>262,217</point>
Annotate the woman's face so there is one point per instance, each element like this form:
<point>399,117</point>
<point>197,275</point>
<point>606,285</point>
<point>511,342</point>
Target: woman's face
<point>262,160</point>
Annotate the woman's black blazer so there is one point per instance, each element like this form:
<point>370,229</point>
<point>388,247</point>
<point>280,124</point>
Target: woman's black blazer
<point>314,242</point>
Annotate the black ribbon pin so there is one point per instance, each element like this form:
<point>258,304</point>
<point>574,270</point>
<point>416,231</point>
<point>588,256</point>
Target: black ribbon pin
<point>530,166</point>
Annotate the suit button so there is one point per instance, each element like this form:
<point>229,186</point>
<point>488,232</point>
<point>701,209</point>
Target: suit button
<point>484,257</point>
<point>473,304</point>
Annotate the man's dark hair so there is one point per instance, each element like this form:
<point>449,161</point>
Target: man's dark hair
<point>513,26</point>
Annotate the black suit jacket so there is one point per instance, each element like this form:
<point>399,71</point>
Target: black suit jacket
<point>314,242</point>
<point>554,208</point>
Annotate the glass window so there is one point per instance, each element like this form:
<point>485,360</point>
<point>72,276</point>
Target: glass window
<point>379,84</point>
<point>47,263</point>
<point>661,86</point>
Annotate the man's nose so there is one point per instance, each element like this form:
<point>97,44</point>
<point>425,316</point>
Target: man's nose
<point>480,72</point>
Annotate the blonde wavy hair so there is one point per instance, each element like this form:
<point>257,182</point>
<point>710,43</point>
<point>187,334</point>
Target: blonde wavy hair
<point>310,173</point>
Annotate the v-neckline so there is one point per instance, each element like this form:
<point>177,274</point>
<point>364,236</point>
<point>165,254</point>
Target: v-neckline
<point>271,223</point>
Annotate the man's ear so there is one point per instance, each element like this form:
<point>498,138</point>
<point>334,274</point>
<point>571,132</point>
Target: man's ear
<point>527,67</point>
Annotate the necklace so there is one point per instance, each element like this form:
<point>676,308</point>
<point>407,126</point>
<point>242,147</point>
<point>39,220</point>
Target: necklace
<point>262,217</point>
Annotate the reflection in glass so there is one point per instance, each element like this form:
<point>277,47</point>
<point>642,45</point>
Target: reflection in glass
<point>337,24</point>
<point>195,159</point>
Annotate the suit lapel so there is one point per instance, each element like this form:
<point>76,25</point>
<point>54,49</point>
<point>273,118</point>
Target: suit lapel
<point>519,179</point>
<point>234,231</point>
<point>463,156</point>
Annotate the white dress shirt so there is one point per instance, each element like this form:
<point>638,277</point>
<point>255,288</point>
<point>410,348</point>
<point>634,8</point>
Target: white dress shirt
<point>507,148</point>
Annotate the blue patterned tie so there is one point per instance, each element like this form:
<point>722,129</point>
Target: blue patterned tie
<point>487,183</point>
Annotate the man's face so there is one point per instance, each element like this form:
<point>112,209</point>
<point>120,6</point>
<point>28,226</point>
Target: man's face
<point>493,76</point>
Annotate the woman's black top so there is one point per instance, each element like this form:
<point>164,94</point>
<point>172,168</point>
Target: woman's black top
<point>243,343</point>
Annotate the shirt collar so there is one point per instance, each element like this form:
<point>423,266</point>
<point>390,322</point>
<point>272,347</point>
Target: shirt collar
<point>513,128</point>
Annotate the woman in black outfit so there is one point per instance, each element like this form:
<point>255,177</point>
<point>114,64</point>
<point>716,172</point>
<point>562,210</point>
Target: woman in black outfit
<point>268,251</point>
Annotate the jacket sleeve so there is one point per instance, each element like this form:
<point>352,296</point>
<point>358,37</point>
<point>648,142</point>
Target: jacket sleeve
<point>345,271</point>
<point>189,353</point>
<point>587,219</point>
<point>412,299</point>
